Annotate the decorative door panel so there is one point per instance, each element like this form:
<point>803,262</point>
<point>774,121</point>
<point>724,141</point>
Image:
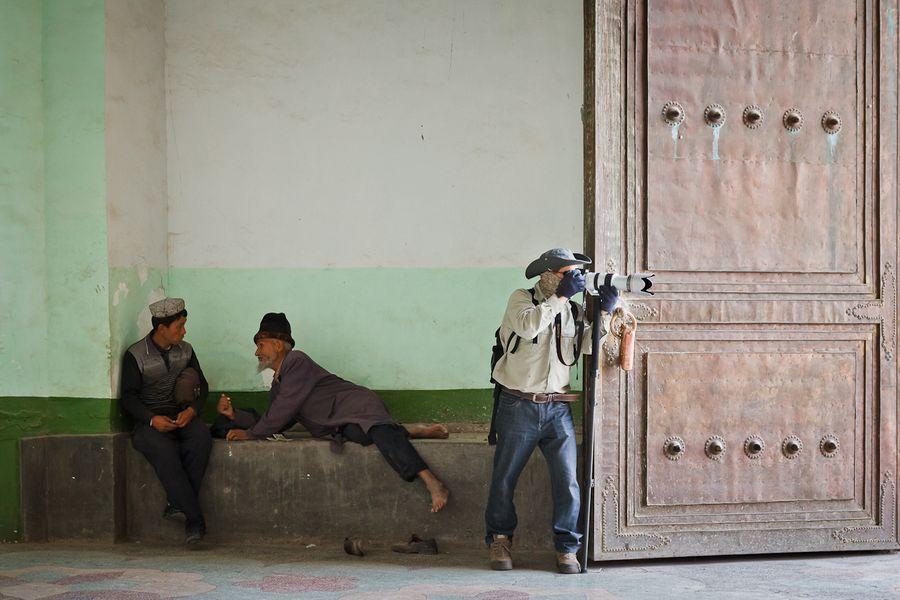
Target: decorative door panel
<point>746,153</point>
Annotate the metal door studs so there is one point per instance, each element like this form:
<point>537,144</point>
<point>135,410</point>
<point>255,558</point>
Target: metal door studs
<point>674,447</point>
<point>673,113</point>
<point>715,448</point>
<point>754,447</point>
<point>791,447</point>
<point>831,122</point>
<point>829,446</point>
<point>753,116</point>
<point>714,115</point>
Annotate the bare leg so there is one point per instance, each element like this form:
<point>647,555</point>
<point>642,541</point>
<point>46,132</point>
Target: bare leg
<point>434,431</point>
<point>439,492</point>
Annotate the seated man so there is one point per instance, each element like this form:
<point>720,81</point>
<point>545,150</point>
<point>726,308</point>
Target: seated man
<point>327,405</point>
<point>163,390</point>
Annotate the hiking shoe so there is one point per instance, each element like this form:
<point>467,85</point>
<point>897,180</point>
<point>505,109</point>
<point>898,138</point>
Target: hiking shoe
<point>193,534</point>
<point>416,545</point>
<point>567,563</point>
<point>501,558</point>
<point>171,512</point>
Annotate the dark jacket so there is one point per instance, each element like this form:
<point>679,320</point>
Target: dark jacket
<point>322,402</point>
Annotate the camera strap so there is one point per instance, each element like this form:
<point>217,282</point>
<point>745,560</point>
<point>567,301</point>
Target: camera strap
<point>579,333</point>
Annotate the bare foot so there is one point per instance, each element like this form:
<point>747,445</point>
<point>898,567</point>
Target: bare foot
<point>435,431</point>
<point>439,492</point>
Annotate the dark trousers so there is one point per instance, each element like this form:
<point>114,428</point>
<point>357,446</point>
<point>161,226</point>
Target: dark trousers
<point>393,442</point>
<point>179,458</point>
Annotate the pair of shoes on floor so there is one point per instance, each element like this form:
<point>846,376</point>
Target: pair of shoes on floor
<point>416,545</point>
<point>501,557</point>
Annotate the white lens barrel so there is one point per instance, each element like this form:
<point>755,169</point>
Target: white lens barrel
<point>636,283</point>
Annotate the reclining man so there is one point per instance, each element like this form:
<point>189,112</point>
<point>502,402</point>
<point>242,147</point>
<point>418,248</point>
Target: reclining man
<point>163,391</point>
<point>539,333</point>
<point>328,406</point>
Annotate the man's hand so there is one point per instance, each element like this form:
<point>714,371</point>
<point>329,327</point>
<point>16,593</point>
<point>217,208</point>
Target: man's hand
<point>572,283</point>
<point>237,435</point>
<point>185,416</point>
<point>163,424</point>
<point>608,297</point>
<point>225,408</point>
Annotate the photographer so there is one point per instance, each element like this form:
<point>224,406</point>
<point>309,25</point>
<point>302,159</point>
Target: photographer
<point>541,338</point>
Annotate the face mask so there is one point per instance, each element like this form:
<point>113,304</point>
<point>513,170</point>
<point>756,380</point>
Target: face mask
<point>548,283</point>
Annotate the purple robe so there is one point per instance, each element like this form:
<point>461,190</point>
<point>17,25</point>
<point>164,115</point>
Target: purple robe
<point>322,402</point>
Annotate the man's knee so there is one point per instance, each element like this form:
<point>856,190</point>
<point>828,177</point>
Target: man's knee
<point>151,443</point>
<point>197,435</point>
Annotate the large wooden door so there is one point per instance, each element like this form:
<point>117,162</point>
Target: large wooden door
<point>746,152</point>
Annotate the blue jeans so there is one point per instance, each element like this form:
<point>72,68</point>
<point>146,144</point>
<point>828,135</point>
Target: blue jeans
<point>522,425</point>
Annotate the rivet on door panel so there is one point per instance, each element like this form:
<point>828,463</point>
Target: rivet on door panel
<point>715,448</point>
<point>792,119</point>
<point>674,447</point>
<point>831,122</point>
<point>753,116</point>
<point>714,115</point>
<point>673,113</point>
<point>754,446</point>
<point>791,447</point>
<point>829,446</point>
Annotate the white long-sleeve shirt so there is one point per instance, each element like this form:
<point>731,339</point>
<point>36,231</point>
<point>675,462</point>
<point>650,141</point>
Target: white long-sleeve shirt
<point>534,367</point>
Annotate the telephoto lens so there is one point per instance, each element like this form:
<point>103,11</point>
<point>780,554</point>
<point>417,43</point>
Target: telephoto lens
<point>637,283</point>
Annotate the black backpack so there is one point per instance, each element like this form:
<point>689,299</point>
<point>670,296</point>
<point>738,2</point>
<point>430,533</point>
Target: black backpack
<point>499,349</point>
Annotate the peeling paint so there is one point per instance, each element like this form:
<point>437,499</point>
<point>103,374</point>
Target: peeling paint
<point>675,137</point>
<point>892,21</point>
<point>715,142</point>
<point>142,274</point>
<point>120,294</point>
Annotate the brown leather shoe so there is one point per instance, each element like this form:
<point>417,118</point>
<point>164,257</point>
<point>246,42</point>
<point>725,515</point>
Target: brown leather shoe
<point>567,563</point>
<point>501,558</point>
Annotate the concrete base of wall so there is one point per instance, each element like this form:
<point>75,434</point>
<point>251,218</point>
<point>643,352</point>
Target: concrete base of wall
<point>273,492</point>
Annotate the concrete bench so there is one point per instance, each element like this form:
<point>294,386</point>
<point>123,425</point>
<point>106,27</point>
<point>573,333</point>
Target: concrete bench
<point>98,487</point>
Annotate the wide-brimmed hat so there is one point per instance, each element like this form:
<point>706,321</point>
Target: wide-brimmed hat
<point>274,326</point>
<point>554,260</point>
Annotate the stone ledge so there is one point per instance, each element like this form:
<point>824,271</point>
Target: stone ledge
<point>296,491</point>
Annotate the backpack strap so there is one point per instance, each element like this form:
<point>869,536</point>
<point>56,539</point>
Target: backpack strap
<point>534,302</point>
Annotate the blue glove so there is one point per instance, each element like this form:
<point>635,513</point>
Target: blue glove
<point>608,297</point>
<point>572,283</point>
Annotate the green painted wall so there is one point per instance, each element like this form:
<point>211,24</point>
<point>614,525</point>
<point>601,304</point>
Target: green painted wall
<point>23,333</point>
<point>393,329</point>
<point>75,198</point>
<point>54,303</point>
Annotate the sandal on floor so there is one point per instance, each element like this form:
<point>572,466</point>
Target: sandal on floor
<point>416,545</point>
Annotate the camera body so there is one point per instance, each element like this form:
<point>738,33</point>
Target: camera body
<point>637,283</point>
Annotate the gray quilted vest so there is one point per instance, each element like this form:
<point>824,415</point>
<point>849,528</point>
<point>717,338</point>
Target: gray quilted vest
<point>158,382</point>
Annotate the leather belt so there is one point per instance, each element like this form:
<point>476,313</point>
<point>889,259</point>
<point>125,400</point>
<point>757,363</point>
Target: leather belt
<point>542,398</point>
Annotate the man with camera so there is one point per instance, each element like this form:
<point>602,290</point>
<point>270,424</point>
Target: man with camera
<point>541,337</point>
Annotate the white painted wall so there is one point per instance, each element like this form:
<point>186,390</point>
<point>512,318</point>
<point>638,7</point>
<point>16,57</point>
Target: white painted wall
<point>363,133</point>
<point>135,107</point>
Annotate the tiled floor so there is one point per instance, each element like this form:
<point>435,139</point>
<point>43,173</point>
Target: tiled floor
<point>136,572</point>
